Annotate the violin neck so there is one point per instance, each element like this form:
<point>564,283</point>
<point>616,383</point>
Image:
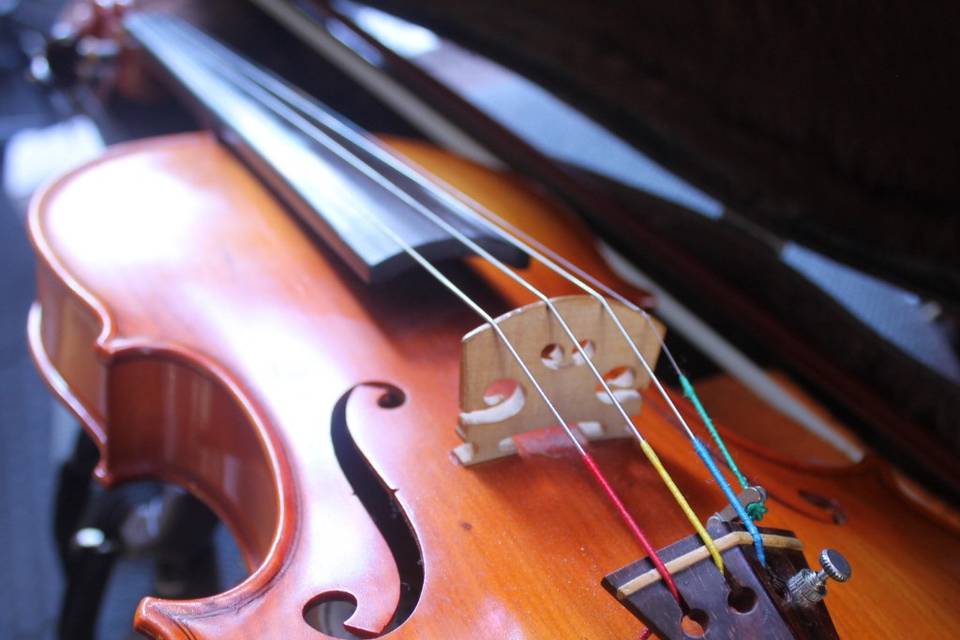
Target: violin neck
<point>331,175</point>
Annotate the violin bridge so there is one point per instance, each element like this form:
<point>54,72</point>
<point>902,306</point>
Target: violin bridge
<point>754,603</point>
<point>497,400</point>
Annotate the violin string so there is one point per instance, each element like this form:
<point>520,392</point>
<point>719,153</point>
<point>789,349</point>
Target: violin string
<point>405,167</point>
<point>746,515</point>
<point>283,92</point>
<point>585,456</point>
<point>276,88</point>
<point>568,265</point>
<point>563,266</point>
<point>648,450</point>
<point>755,509</point>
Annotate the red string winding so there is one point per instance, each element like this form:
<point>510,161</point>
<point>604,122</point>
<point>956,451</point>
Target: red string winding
<point>634,528</point>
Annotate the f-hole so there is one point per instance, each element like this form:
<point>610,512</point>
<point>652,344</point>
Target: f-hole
<point>328,613</point>
<point>385,511</point>
<point>833,507</point>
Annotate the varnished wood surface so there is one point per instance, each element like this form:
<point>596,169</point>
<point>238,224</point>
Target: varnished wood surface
<point>205,338</point>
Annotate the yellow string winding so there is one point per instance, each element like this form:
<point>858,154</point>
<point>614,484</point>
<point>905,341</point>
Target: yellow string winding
<point>682,501</point>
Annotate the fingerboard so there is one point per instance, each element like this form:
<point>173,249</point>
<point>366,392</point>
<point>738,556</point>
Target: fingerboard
<point>334,177</point>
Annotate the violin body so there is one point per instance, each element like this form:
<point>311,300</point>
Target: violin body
<point>206,338</point>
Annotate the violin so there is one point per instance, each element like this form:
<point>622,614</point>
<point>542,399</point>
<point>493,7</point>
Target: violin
<point>411,384</point>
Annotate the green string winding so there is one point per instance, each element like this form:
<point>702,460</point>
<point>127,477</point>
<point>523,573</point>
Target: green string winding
<point>755,509</point>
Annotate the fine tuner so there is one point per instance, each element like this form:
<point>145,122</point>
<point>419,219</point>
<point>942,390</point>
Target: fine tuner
<point>809,587</point>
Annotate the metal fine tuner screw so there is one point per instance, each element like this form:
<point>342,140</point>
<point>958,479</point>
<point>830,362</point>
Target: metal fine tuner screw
<point>808,587</point>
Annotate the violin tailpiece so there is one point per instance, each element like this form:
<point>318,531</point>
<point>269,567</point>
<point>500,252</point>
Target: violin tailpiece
<point>497,401</point>
<point>753,603</point>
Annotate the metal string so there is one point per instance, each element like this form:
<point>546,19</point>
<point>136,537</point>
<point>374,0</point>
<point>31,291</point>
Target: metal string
<point>405,167</point>
<point>283,92</point>
<point>279,88</point>
<point>476,248</point>
<point>748,514</point>
<point>756,509</point>
<point>702,452</point>
<point>452,287</point>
